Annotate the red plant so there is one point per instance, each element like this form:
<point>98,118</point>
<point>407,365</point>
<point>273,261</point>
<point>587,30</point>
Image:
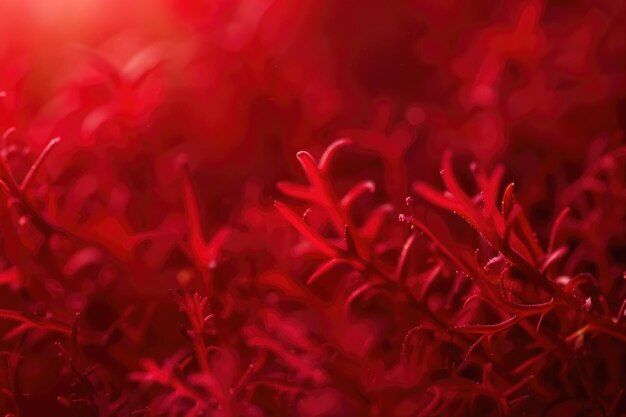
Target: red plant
<point>154,263</point>
<point>546,316</point>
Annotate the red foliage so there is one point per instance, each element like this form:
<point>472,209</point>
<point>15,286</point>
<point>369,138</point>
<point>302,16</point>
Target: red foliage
<point>162,254</point>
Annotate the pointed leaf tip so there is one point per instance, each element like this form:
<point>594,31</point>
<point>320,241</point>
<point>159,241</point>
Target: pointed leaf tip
<point>508,200</point>
<point>330,152</point>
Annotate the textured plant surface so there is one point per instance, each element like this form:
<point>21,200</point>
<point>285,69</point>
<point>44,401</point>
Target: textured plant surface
<point>307,208</point>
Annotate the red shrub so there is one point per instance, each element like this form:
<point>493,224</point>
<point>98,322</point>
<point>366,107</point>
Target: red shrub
<point>155,262</point>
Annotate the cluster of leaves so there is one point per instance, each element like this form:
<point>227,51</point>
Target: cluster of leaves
<point>152,265</point>
<point>377,309</point>
<point>548,334</point>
